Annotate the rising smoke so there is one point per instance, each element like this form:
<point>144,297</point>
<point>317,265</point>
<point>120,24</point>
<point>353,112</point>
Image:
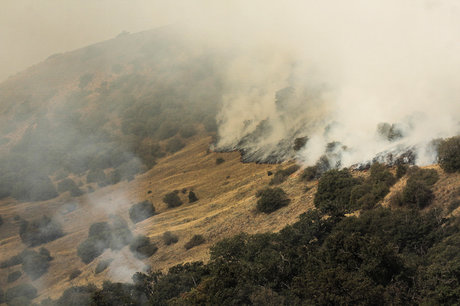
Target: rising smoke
<point>334,71</point>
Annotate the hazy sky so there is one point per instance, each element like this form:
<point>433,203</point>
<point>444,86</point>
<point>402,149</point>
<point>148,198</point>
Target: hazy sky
<point>31,30</point>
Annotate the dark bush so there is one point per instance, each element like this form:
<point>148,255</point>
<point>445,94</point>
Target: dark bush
<point>34,264</point>
<point>77,296</point>
<point>172,199</point>
<point>309,174</point>
<point>219,160</point>
<point>141,211</point>
<point>334,190</point>
<point>89,249</point>
<point>417,194</point>
<point>121,234</point>
<point>1,220</point>
<point>142,247</point>
<point>299,143</point>
<point>14,276</point>
<point>449,154</point>
<point>45,253</point>
<point>194,241</point>
<point>281,175</point>
<point>389,131</point>
<point>102,265</point>
<point>26,291</point>
<point>401,170</point>
<point>192,197</point>
<point>40,231</point>
<point>12,261</point>
<point>99,238</point>
<point>169,238</point>
<point>74,274</point>
<point>174,145</point>
<point>34,188</point>
<point>271,199</point>
<point>426,176</point>
<point>69,185</point>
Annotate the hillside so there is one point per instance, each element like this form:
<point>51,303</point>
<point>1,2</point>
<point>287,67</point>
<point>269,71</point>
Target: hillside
<point>226,207</point>
<point>154,167</point>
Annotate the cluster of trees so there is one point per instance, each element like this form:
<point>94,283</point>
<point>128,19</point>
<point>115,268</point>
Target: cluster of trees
<point>39,231</point>
<point>153,115</point>
<point>103,235</point>
<point>382,256</point>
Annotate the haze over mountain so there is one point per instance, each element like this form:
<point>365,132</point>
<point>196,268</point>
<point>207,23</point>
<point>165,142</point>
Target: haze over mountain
<point>119,156</point>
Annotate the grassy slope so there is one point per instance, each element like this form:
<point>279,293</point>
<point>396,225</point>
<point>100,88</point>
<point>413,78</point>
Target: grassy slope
<point>226,207</point>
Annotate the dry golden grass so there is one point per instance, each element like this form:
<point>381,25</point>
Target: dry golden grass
<point>226,207</point>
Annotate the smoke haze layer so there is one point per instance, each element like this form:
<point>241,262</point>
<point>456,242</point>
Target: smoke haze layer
<point>333,72</point>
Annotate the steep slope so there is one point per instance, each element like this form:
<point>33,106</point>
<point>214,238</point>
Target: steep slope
<point>226,206</point>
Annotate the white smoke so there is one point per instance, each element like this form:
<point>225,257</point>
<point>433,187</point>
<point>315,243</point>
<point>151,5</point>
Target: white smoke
<point>351,65</point>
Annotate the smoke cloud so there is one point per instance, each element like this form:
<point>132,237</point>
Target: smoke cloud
<point>333,71</point>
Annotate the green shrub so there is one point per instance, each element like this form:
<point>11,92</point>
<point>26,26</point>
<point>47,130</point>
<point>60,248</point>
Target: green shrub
<point>309,174</point>
<point>281,175</point>
<point>14,276</point>
<point>90,249</point>
<point>401,170</point>
<point>192,197</point>
<point>194,241</point>
<point>427,176</point>
<point>169,238</point>
<point>172,199</point>
<point>76,296</point>
<point>102,265</point>
<point>334,190</point>
<point>449,154</point>
<point>417,194</point>
<point>35,264</point>
<point>99,238</point>
<point>299,143</point>
<point>40,231</point>
<point>219,160</point>
<point>142,247</point>
<point>174,145</point>
<point>1,220</point>
<point>271,199</point>
<point>141,211</point>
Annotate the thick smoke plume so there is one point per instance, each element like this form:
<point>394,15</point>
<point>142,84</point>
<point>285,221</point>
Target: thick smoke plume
<point>372,77</point>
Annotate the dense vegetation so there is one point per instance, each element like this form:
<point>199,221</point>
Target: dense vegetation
<point>103,235</point>
<point>126,111</point>
<point>449,154</point>
<point>402,255</point>
<point>271,199</point>
<point>172,199</point>
<point>39,231</point>
<point>141,211</point>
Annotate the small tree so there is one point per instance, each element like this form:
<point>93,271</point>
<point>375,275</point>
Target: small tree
<point>169,238</point>
<point>172,199</point>
<point>271,199</point>
<point>196,240</point>
<point>449,154</point>
<point>141,211</point>
<point>192,197</point>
